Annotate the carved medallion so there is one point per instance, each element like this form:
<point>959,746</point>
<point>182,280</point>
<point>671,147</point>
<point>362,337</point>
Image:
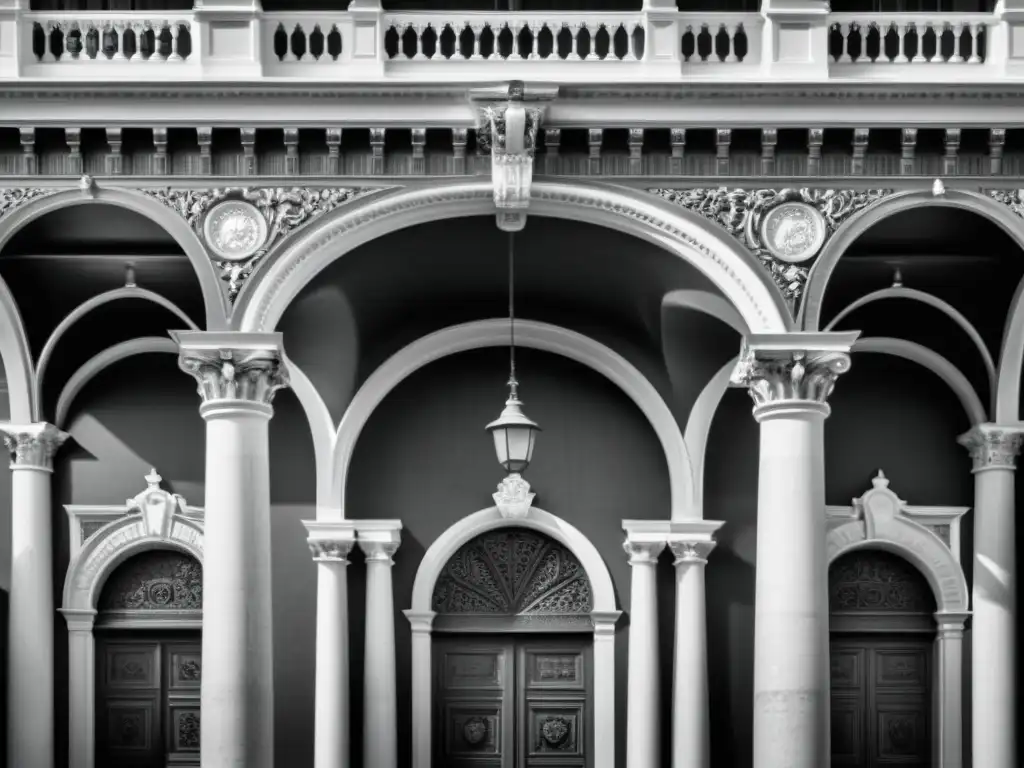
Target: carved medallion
<point>156,580</point>
<point>474,731</point>
<point>793,232</point>
<point>555,731</point>
<point>234,230</point>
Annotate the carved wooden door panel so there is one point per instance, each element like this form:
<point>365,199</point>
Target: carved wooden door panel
<point>512,703</point>
<point>147,701</point>
<point>881,702</point>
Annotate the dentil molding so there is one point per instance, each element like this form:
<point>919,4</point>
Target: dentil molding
<point>745,214</point>
<point>281,211</point>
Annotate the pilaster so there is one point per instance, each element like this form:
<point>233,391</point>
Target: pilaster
<point>12,46</point>
<point>228,43</point>
<point>795,39</point>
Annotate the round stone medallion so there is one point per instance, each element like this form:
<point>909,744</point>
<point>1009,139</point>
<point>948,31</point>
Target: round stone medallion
<point>793,232</point>
<point>234,230</point>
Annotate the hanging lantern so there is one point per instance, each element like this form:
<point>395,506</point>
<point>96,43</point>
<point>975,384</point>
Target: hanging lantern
<point>514,434</point>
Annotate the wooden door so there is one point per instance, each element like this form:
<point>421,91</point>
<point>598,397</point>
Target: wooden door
<point>147,700</point>
<point>881,701</point>
<point>508,702</point>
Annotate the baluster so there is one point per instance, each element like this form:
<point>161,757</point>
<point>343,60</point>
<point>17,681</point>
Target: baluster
<point>958,44</point>
<point>975,28</point>
<point>574,45</point>
<point>175,28</point>
<point>536,27</point>
<point>119,29</point>
<point>139,29</point>
<point>48,55</point>
<point>845,30</point>
<point>418,30</point>
<point>592,56</point>
<point>921,29</point>
<point>631,42</point>
<point>478,33</point>
<point>730,32</point>
<point>517,48</point>
<point>901,55</point>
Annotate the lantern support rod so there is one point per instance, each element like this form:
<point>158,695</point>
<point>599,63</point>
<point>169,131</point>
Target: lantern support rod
<point>512,383</point>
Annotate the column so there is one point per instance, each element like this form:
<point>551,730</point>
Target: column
<point>993,634</point>
<point>238,374</point>
<point>330,543</point>
<point>81,687</point>
<point>949,689</point>
<point>691,734</point>
<point>30,681</point>
<point>643,701</point>
<point>379,541</point>
<point>789,377</point>
<point>422,623</point>
<point>604,688</point>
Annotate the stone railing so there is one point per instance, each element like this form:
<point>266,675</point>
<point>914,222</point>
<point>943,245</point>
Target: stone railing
<point>364,46</point>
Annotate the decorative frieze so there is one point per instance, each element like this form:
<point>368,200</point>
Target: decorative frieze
<point>786,240</point>
<point>276,210</point>
<point>787,375</point>
<point>992,447</point>
<point>32,446</point>
<point>13,198</point>
<point>251,375</point>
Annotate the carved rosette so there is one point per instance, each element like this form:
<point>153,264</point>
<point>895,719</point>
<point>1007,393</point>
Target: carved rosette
<point>781,376</point>
<point>33,446</point>
<point>284,209</point>
<point>691,552</point>
<point>14,198</point>
<point>991,447</point>
<point>229,374</point>
<point>742,212</point>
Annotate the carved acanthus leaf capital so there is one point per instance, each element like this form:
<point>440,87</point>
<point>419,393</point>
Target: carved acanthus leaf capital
<point>330,550</point>
<point>248,368</point>
<point>777,369</point>
<point>992,447</point>
<point>696,551</point>
<point>379,539</point>
<point>643,552</point>
<point>32,446</point>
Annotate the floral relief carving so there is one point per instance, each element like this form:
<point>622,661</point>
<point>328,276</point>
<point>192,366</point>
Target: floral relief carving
<point>235,374</point>
<point>14,198</point>
<point>157,580</point>
<point>992,447</point>
<point>742,212</point>
<point>188,730</point>
<point>474,731</point>
<point>556,732</point>
<point>284,209</point>
<point>513,572</point>
<point>872,580</point>
<point>775,376</point>
<point>190,671</point>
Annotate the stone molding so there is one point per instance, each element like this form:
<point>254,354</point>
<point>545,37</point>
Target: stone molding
<point>378,539</point>
<point>284,209</point>
<point>229,366</point>
<point>33,446</point>
<point>741,212</point>
<point>790,368</point>
<point>330,541</point>
<point>993,447</point>
<point>690,541</point>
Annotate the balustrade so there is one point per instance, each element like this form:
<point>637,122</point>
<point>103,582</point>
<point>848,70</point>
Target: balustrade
<point>83,39</point>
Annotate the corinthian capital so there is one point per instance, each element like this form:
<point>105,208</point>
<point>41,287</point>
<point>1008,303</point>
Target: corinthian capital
<point>233,366</point>
<point>992,446</point>
<point>793,367</point>
<point>32,446</point>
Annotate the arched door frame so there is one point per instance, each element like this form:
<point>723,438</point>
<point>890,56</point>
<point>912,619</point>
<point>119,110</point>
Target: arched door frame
<point>879,520</point>
<point>603,616</point>
<point>153,520</point>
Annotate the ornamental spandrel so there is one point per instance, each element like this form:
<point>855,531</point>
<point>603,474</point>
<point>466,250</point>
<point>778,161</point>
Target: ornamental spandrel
<point>233,374</point>
<point>789,375</point>
<point>32,446</point>
<point>785,229</point>
<point>992,447</point>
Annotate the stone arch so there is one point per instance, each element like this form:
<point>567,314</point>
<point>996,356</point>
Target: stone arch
<point>531,334</point>
<point>214,299</point>
<point>689,236</point>
<point>603,616</point>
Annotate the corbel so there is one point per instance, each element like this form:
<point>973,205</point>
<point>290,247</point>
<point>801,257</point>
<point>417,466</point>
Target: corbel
<point>723,138</point>
<point>860,150</point>
<point>950,161</point>
<point>677,137</point>
<point>419,143</point>
<point>160,152</point>
<point>291,151</point>
<point>377,136</point>
<point>595,137</point>
<point>334,151</point>
<point>769,142</point>
<point>636,151</point>
<point>909,146</point>
<point>115,160</point>
<point>29,161</point>
<point>508,122</point>
<point>996,144</point>
<point>73,138</point>
<point>552,146</point>
<point>248,137</point>
<point>204,135</point>
<point>815,140</point>
<point>460,137</point>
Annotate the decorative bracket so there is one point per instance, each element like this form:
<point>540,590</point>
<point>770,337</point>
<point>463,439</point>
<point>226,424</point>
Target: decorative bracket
<point>513,498</point>
<point>508,120</point>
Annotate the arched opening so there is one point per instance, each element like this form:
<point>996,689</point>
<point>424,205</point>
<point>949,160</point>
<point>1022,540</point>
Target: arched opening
<point>882,632</point>
<point>513,653</point>
<point>149,663</point>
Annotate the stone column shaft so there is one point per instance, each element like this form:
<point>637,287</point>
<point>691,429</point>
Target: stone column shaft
<point>238,374</point>
<point>380,688</point>
<point>948,677</point>
<point>790,377</point>
<point>30,660</point>
<point>994,600</point>
<point>643,702</point>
